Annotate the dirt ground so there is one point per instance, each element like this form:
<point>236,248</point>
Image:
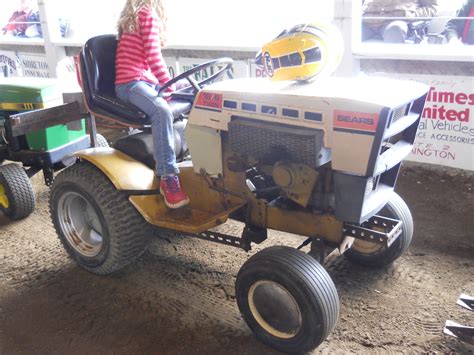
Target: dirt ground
<point>179,298</point>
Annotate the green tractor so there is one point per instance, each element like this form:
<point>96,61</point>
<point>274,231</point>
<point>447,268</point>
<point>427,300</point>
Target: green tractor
<point>38,132</point>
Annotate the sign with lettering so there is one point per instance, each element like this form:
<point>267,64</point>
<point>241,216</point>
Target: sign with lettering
<point>34,65</point>
<point>209,101</point>
<point>9,64</point>
<point>446,132</point>
<point>239,68</point>
<point>23,64</point>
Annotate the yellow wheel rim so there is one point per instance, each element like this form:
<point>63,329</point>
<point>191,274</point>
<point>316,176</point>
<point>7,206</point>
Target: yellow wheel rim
<point>3,197</point>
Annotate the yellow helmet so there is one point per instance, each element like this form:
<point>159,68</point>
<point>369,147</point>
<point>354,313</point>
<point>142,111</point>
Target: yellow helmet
<point>302,52</point>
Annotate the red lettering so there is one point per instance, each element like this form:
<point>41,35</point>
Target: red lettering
<point>471,99</point>
<point>451,115</point>
<point>461,98</point>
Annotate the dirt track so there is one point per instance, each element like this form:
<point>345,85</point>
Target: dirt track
<point>179,298</point>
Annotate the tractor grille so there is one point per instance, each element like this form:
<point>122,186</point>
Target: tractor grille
<point>399,113</point>
<point>274,142</point>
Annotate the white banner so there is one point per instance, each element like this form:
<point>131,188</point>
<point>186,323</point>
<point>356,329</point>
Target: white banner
<point>34,65</point>
<point>23,64</point>
<point>239,68</point>
<point>9,64</point>
<point>257,71</point>
<point>446,132</point>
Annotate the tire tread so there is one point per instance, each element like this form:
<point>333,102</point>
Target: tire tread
<point>21,194</point>
<point>129,233</point>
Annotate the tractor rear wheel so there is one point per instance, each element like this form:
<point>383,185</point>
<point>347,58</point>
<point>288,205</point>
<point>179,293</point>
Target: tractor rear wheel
<point>96,223</point>
<point>17,197</point>
<point>287,299</point>
<point>376,255</point>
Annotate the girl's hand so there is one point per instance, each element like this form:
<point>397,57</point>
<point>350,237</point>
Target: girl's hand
<point>183,83</point>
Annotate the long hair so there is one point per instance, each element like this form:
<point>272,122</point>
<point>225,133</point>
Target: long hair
<point>128,21</point>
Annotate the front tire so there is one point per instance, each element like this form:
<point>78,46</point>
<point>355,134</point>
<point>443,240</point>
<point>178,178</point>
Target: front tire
<point>375,255</point>
<point>287,299</point>
<point>17,197</point>
<point>98,226</point>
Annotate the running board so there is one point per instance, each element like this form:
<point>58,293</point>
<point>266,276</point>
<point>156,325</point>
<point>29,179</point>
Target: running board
<point>378,230</point>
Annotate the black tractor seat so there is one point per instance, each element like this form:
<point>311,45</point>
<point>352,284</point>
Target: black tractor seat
<point>139,147</point>
<point>97,65</point>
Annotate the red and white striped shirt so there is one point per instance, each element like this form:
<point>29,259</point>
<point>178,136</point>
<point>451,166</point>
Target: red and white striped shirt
<point>139,54</point>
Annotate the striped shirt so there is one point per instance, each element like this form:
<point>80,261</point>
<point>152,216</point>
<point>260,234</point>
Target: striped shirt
<point>139,53</point>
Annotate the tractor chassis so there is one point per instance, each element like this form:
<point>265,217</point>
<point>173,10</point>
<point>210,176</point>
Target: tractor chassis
<point>388,230</point>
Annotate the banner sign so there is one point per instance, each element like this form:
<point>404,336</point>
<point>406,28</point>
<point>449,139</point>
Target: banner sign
<point>23,64</point>
<point>9,64</point>
<point>257,71</point>
<point>239,68</point>
<point>34,65</point>
<point>446,132</point>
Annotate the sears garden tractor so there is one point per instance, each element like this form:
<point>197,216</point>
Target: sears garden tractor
<point>38,131</point>
<point>318,159</point>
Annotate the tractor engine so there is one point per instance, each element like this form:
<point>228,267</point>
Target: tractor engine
<point>334,145</point>
<point>291,161</point>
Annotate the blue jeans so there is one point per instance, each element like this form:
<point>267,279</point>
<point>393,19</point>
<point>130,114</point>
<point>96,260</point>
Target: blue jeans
<point>145,96</point>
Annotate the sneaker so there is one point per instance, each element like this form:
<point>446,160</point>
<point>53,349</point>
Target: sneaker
<point>173,194</point>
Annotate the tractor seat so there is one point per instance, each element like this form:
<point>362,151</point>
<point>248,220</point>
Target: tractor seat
<point>139,147</point>
<point>97,65</point>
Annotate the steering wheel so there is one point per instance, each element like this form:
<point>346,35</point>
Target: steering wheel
<point>195,85</point>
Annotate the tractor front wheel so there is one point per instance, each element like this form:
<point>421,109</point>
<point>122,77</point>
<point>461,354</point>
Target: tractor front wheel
<point>17,198</point>
<point>376,255</point>
<point>287,299</point>
<point>96,223</point>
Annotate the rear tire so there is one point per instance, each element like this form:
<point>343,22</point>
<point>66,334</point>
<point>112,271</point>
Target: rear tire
<point>96,223</point>
<point>374,255</point>
<point>287,299</point>
<point>17,197</point>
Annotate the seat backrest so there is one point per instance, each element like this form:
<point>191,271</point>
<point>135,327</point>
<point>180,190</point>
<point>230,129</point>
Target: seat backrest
<point>98,58</point>
<point>97,66</point>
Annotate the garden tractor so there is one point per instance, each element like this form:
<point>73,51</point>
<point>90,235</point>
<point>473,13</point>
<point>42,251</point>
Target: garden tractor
<point>38,131</point>
<point>316,159</point>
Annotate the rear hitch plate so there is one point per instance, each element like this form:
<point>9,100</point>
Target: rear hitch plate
<point>378,230</point>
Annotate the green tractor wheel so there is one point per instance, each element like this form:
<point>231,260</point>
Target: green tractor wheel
<point>17,198</point>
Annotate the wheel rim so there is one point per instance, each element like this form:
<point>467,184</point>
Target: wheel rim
<point>80,224</point>
<point>366,247</point>
<point>3,197</point>
<point>275,309</point>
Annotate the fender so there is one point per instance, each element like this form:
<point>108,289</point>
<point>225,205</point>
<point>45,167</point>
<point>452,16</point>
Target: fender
<point>124,172</point>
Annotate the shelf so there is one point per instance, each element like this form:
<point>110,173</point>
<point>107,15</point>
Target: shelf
<point>5,40</point>
<point>428,52</point>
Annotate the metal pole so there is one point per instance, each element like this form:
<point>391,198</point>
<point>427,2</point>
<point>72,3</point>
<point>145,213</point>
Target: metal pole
<point>51,32</point>
<point>347,17</point>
